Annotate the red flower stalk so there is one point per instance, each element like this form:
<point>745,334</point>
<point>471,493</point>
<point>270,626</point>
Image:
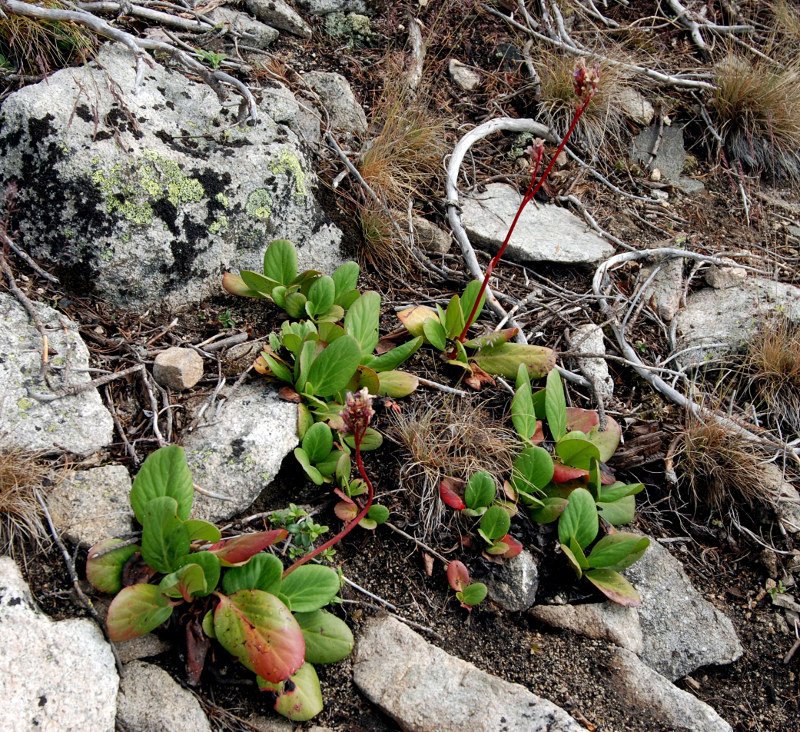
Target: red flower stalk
<point>585,81</point>
<point>356,414</point>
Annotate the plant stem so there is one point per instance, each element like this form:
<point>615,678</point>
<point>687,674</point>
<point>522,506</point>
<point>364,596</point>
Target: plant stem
<point>349,527</point>
<point>533,189</point>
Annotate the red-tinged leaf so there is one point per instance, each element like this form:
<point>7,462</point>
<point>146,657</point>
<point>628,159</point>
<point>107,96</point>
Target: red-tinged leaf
<point>287,394</point>
<point>427,560</point>
<point>538,436</point>
<point>615,587</point>
<point>508,491</point>
<point>345,511</point>
<point>343,495</point>
<point>261,366</point>
<point>197,645</point>
<point>563,473</point>
<point>299,698</point>
<point>478,378</point>
<point>606,475</point>
<point>105,572</point>
<point>135,611</point>
<point>447,491</point>
<point>457,575</point>
<point>236,552</point>
<point>514,547</point>
<point>581,419</point>
<point>261,632</point>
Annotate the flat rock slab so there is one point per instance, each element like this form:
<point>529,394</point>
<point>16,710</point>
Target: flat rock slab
<point>718,320</point>
<point>150,700</point>
<point>148,197</point>
<point>91,505</point>
<point>543,233</point>
<point>425,689</point>
<point>241,451</point>
<point>671,156</point>
<point>53,676</point>
<point>78,424</point>
<point>681,631</point>
<point>638,686</point>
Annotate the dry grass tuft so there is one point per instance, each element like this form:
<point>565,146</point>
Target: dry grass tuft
<point>757,110</point>
<point>449,436</point>
<point>21,518</point>
<point>39,47</point>
<point>772,365</point>
<point>602,121</point>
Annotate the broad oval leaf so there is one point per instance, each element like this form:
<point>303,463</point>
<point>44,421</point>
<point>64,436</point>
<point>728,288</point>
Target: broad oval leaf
<point>199,530</point>
<point>472,595</point>
<point>617,551</point>
<point>457,575</point>
<point>397,384</point>
<point>280,261</point>
<point>615,491</point>
<point>211,569</point>
<point>310,587</point>
<point>237,551</point>
<point>555,405</point>
<point>321,295</point>
<point>186,582</point>
<point>618,512</point>
<point>259,630</point>
<point>504,360</point>
<point>318,442</point>
<point>576,450</point>
<point>299,698</point>
<point>614,586</point>
<point>549,511</point>
<point>392,359</point>
<point>495,523</point>
<point>435,333</point>
<point>235,285</point>
<point>532,470</point>
<point>262,572</point>
<point>259,283</point>
<point>311,471</point>
<point>579,519</point>
<point>449,495</point>
<point>490,340</point>
<point>164,536</point>
<point>564,473</point>
<point>104,573</point>
<point>413,318</point>
<point>480,490</point>
<point>332,369</point>
<point>372,440</point>
<point>164,473</point>
<point>377,513</point>
<point>345,278</point>
<point>328,639</point>
<point>362,321</point>
<point>514,547</point>
<point>135,611</point>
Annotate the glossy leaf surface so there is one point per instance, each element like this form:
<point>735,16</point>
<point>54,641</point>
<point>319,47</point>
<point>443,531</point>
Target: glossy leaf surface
<point>164,473</point>
<point>135,611</point>
<point>328,639</point>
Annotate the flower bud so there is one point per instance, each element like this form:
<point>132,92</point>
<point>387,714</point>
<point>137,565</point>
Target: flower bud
<point>585,80</point>
<point>357,413</point>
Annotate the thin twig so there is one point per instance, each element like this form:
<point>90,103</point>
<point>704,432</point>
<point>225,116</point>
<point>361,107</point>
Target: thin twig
<point>420,544</point>
<point>442,387</point>
<point>22,254</point>
<point>93,384</point>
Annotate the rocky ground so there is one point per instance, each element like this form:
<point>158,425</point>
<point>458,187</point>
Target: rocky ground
<point>131,206</point>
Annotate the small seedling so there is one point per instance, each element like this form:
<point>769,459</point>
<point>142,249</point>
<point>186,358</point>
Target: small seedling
<point>468,593</point>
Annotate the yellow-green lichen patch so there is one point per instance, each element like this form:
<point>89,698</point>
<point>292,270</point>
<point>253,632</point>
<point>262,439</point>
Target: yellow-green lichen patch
<point>222,199</point>
<point>259,204</point>
<point>221,224</point>
<point>130,190</point>
<point>24,403</point>
<point>287,162</point>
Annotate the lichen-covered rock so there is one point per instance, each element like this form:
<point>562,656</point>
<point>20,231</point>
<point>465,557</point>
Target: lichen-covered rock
<point>79,423</point>
<point>515,583</point>
<point>147,197</point>
<point>279,14</point>
<point>335,93</point>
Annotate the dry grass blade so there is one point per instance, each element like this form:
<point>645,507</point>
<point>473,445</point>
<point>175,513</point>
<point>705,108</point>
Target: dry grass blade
<point>453,436</point>
<point>21,520</point>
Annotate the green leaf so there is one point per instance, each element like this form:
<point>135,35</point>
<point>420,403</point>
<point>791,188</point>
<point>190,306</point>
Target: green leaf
<point>310,587</point>
<point>573,560</point>
<point>472,594</point>
<point>334,367</point>
<point>199,530</point>
<point>258,282</point>
<point>379,514</point>
<point>579,519</point>
<point>237,551</point>
<point>327,467</point>
<point>262,572</point>
<point>280,261</point>
<point>504,360</point>
<point>304,701</point>
<point>618,512</point>
<point>491,340</point>
<point>468,300</point>
<point>362,320</point>
<point>318,442</point>
<point>435,333</point>
<point>164,536</point>
<point>549,511</point>
<point>321,296</point>
<point>305,420</point>
<point>617,551</point>
<point>480,490</point>
<point>577,551</point>
<point>454,319</point>
<point>495,523</point>
<point>296,304</point>
<point>164,473</point>
<point>259,630</point>
<point>279,369</point>
<point>532,471</point>
<point>397,384</point>
<point>328,639</point>
<point>105,572</point>
<point>210,565</point>
<point>611,493</point>
<point>576,451</point>
<point>392,359</point>
<point>555,405</point>
<point>208,624</point>
<point>614,586</point>
<point>372,440</point>
<point>311,471</point>
<point>329,332</point>
<point>523,415</point>
<point>135,611</point>
<point>345,277</point>
<point>333,315</point>
<point>186,582</point>
<point>235,285</point>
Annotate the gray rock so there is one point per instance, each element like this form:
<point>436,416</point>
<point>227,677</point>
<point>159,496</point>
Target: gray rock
<point>681,631</point>
<point>635,106</point>
<point>78,424</point>
<point>640,687</point>
<point>690,186</point>
<point>463,76</point>
<point>178,368</point>
<point>670,158</point>
<point>787,498</point>
<point>336,95</point>
<point>91,505</point>
<point>543,233</point>
<point>325,7</point>
<point>515,589</point>
<point>666,288</point>
<point>241,451</point>
<point>253,32</point>
<point>722,278</point>
<point>427,235</point>
<point>145,646</point>
<point>53,676</point>
<point>151,701</point>
<point>426,690</point>
<point>588,338</point>
<point>603,621</point>
<point>716,321</point>
<point>350,29</point>
<point>279,15</point>
<point>150,207</point>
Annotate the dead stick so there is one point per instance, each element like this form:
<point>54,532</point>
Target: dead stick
<point>79,388</point>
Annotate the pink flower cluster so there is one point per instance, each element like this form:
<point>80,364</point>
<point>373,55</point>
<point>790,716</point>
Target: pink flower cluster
<point>357,413</point>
